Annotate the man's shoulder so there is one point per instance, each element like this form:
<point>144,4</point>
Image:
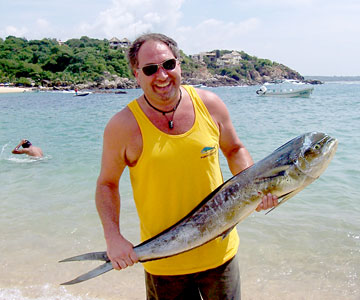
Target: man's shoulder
<point>211,100</point>
<point>123,134</point>
<point>38,151</point>
<point>122,123</point>
<point>121,118</point>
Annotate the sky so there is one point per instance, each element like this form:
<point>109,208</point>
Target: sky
<point>313,37</point>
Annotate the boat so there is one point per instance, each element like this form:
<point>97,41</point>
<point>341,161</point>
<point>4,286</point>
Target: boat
<point>81,94</point>
<point>286,93</point>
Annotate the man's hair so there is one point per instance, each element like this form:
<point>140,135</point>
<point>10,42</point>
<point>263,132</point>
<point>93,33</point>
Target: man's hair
<point>132,54</point>
<point>26,144</point>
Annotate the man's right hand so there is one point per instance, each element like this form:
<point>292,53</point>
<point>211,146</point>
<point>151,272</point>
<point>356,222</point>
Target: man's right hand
<point>121,253</point>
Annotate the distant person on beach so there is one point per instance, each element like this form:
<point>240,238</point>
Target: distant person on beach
<point>170,138</point>
<point>27,148</point>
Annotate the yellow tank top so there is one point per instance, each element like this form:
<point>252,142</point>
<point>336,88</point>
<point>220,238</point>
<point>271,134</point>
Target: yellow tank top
<point>173,174</point>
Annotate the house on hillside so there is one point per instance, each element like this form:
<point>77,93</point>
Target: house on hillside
<point>228,59</point>
<point>211,56</point>
<point>125,43</point>
<point>116,43</point>
<point>232,58</point>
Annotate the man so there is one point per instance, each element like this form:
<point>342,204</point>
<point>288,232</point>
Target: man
<point>27,148</point>
<point>169,138</point>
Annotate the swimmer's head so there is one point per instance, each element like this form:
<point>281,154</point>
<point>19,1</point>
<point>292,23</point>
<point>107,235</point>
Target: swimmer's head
<point>27,144</point>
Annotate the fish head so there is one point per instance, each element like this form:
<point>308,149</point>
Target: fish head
<point>315,154</point>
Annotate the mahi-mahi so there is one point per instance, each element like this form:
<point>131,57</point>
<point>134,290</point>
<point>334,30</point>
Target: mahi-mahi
<point>284,173</point>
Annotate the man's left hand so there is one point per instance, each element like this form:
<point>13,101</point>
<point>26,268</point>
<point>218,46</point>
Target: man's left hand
<point>268,201</point>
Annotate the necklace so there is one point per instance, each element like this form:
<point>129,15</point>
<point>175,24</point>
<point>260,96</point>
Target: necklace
<point>164,112</point>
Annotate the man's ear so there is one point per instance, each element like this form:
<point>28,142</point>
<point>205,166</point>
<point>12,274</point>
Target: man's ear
<point>136,74</point>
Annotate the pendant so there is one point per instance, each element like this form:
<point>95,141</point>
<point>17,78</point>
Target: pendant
<point>171,124</point>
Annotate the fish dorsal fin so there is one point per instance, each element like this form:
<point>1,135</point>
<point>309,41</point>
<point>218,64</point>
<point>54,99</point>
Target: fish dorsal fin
<point>285,198</point>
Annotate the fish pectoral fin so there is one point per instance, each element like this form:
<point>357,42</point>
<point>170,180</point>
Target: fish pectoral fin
<point>285,198</point>
<point>88,256</point>
<point>91,274</point>
<point>226,233</point>
<point>275,172</point>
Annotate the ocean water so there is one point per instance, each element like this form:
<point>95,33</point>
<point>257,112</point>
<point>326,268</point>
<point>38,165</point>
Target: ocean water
<point>308,248</point>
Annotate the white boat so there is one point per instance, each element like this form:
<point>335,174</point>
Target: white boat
<point>286,93</point>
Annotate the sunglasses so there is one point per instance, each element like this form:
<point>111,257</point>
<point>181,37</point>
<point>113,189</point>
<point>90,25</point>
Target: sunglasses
<point>168,65</point>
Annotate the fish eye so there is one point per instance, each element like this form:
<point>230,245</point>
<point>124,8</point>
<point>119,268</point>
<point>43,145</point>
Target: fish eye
<point>317,147</point>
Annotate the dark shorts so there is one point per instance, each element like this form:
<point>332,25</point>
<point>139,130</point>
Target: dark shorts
<point>216,284</point>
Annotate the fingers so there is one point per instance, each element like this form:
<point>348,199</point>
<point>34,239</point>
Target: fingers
<point>268,201</point>
<point>120,263</point>
<point>134,257</point>
<point>121,252</point>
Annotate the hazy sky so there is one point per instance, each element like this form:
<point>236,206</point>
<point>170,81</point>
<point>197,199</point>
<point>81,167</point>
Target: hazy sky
<point>313,37</point>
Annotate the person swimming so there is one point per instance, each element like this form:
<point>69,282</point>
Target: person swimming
<point>27,148</point>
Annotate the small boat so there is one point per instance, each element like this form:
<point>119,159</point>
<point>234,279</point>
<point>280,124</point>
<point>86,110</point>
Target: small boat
<point>81,94</point>
<point>286,93</point>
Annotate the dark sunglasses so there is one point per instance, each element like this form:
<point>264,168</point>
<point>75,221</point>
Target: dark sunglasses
<point>168,65</point>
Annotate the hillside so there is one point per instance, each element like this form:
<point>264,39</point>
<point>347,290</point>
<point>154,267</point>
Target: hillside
<point>233,68</point>
<point>92,63</point>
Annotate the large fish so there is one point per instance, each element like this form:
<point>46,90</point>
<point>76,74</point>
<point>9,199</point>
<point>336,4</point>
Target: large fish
<point>284,173</point>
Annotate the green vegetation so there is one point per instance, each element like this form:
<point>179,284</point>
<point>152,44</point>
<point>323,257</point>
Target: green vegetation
<point>76,61</point>
<point>47,62</point>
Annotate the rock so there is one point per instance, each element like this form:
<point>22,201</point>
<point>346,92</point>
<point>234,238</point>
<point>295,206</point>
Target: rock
<point>200,76</point>
<point>313,81</point>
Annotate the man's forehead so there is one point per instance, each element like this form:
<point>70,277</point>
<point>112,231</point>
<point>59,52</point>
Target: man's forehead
<point>154,52</point>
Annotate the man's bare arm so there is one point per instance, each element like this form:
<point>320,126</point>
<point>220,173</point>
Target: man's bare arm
<point>114,160</point>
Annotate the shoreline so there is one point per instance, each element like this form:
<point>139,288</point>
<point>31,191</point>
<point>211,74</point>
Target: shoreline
<point>5,90</point>
<point>124,84</point>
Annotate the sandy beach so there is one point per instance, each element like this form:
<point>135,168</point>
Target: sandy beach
<point>6,89</point>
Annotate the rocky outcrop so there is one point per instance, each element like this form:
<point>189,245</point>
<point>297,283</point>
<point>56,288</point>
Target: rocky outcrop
<point>313,81</point>
<point>107,83</point>
<point>202,76</point>
<point>213,81</point>
<point>275,73</point>
<point>110,82</point>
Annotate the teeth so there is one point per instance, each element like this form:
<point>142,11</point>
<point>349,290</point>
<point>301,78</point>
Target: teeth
<point>163,84</point>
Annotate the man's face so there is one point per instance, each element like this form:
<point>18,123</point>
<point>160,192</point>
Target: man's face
<point>164,84</point>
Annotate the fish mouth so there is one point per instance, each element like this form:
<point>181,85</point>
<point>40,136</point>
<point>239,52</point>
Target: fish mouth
<point>332,144</point>
<point>328,151</point>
